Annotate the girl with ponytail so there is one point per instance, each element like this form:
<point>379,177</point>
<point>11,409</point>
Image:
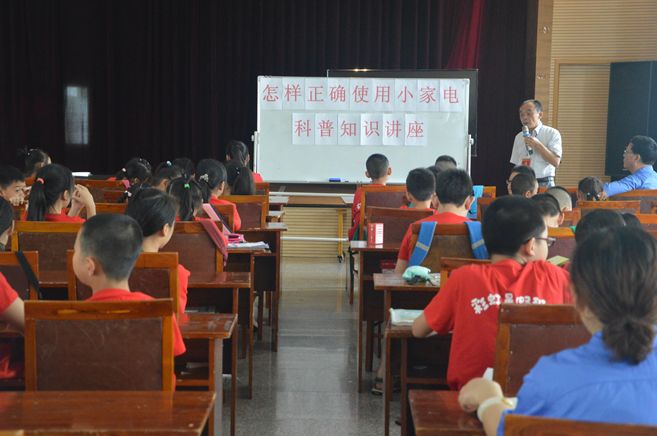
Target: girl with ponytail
<point>53,191</point>
<point>211,177</point>
<point>613,377</point>
<point>189,196</point>
<point>238,152</point>
<point>35,159</point>
<point>136,171</point>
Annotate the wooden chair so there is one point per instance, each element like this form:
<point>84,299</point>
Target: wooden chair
<point>449,264</point>
<point>380,196</point>
<point>19,212</point>
<point>154,274</point>
<point>112,196</point>
<point>395,221</point>
<point>648,221</point>
<point>252,209</point>
<point>520,425</point>
<point>631,206</point>
<point>565,242</point>
<point>489,192</point>
<point>118,208</point>
<point>449,240</point>
<point>98,188</point>
<point>647,197</point>
<point>262,188</point>
<point>195,249</point>
<point>482,205</point>
<point>528,331</point>
<point>571,217</point>
<point>81,346</point>
<point>16,277</point>
<point>50,239</point>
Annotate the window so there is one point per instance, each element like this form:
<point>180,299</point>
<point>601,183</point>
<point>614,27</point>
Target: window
<point>76,115</point>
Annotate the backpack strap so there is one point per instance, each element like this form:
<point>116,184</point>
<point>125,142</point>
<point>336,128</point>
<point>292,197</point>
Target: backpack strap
<point>478,245</point>
<point>213,232</point>
<point>29,273</point>
<point>478,191</point>
<point>423,244</point>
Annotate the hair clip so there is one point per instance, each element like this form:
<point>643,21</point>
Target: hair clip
<point>128,194</point>
<point>169,164</point>
<point>39,180</point>
<point>124,170</point>
<point>186,186</point>
<point>238,170</point>
<point>205,178</point>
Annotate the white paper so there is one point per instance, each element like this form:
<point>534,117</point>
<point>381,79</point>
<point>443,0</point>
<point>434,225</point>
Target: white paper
<point>293,93</point>
<point>416,130</point>
<point>403,316</point>
<point>370,129</point>
<point>383,95</point>
<point>337,94</point>
<point>360,95</point>
<point>303,128</point>
<point>326,128</point>
<point>393,129</point>
<point>427,95</point>
<point>452,95</point>
<point>348,129</point>
<point>269,93</point>
<point>315,93</point>
<point>405,95</point>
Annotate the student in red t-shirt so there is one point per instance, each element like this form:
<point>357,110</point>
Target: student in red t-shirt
<point>52,191</point>
<point>468,304</point>
<point>211,177</point>
<point>164,173</point>
<point>454,194</point>
<point>378,170</point>
<point>106,249</point>
<point>155,212</point>
<point>238,151</point>
<point>135,172</point>
<point>420,189</point>
<point>239,179</point>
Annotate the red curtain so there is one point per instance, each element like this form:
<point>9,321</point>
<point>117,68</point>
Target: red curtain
<point>466,49</point>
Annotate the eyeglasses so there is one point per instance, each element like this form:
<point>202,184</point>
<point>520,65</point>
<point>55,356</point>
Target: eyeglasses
<point>627,150</point>
<point>549,241</point>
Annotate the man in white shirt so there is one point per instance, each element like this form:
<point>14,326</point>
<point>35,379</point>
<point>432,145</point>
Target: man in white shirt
<point>538,146</point>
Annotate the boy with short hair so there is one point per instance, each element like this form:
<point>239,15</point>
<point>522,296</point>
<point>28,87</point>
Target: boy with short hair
<point>106,249</point>
<point>518,169</point>
<point>445,162</point>
<point>468,304</point>
<point>454,193</point>
<point>563,197</point>
<point>379,171</point>
<point>524,185</point>
<point>12,185</point>
<point>420,189</point>
<point>549,208</point>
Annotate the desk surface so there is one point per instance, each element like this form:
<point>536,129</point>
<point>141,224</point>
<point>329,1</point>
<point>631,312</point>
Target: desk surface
<point>270,227</point>
<point>395,282</point>
<point>364,246</point>
<point>220,280</point>
<point>439,412</point>
<point>317,201</point>
<point>154,412</point>
<point>207,325</point>
<point>278,200</point>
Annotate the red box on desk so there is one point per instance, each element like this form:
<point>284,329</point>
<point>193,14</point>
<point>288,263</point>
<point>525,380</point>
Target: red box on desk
<point>375,233</point>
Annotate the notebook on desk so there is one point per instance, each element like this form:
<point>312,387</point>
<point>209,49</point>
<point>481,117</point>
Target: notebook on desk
<point>403,317</point>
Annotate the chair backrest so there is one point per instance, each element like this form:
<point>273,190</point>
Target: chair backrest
<point>648,221</point>
<point>449,240</point>
<point>195,248</point>
<point>98,188</point>
<point>395,221</point>
<point>571,217</point>
<point>154,274</point>
<point>50,239</point>
<point>482,205</point>
<point>449,264</point>
<point>112,196</point>
<point>16,277</point>
<point>380,196</point>
<point>647,197</point>
<point>520,425</point>
<point>572,190</point>
<point>118,208</point>
<point>19,211</point>
<point>565,242</point>
<point>528,331</point>
<point>225,211</point>
<point>252,209</point>
<point>489,192</point>
<point>80,345</point>
<point>631,206</point>
<point>262,188</point>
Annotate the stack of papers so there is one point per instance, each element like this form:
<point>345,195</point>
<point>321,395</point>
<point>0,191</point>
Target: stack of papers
<point>403,316</point>
<point>254,245</point>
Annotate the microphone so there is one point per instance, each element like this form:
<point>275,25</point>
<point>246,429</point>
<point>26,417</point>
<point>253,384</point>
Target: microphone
<point>525,131</point>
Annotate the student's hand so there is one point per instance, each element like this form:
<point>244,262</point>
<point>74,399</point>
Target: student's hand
<point>83,196</point>
<point>17,200</point>
<point>477,391</point>
<point>603,196</point>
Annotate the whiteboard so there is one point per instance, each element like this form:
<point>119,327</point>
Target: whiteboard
<point>279,159</point>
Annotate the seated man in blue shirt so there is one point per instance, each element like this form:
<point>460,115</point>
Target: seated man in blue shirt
<point>638,157</point>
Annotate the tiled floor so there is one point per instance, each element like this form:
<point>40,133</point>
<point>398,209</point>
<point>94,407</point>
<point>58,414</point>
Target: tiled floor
<point>309,386</point>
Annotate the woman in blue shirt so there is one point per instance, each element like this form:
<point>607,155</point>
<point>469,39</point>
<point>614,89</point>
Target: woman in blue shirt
<point>612,378</point>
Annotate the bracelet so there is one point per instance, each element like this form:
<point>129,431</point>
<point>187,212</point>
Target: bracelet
<point>509,403</point>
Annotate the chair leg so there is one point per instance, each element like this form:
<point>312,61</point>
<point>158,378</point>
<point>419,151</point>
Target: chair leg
<point>379,339</point>
<point>369,352</point>
<point>261,309</point>
<point>352,273</point>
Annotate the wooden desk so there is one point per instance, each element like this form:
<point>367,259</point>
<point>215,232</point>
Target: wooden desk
<point>438,412</point>
<point>370,303</point>
<point>277,202</point>
<point>215,328</point>
<point>275,216</point>
<point>433,373</point>
<point>99,412</point>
